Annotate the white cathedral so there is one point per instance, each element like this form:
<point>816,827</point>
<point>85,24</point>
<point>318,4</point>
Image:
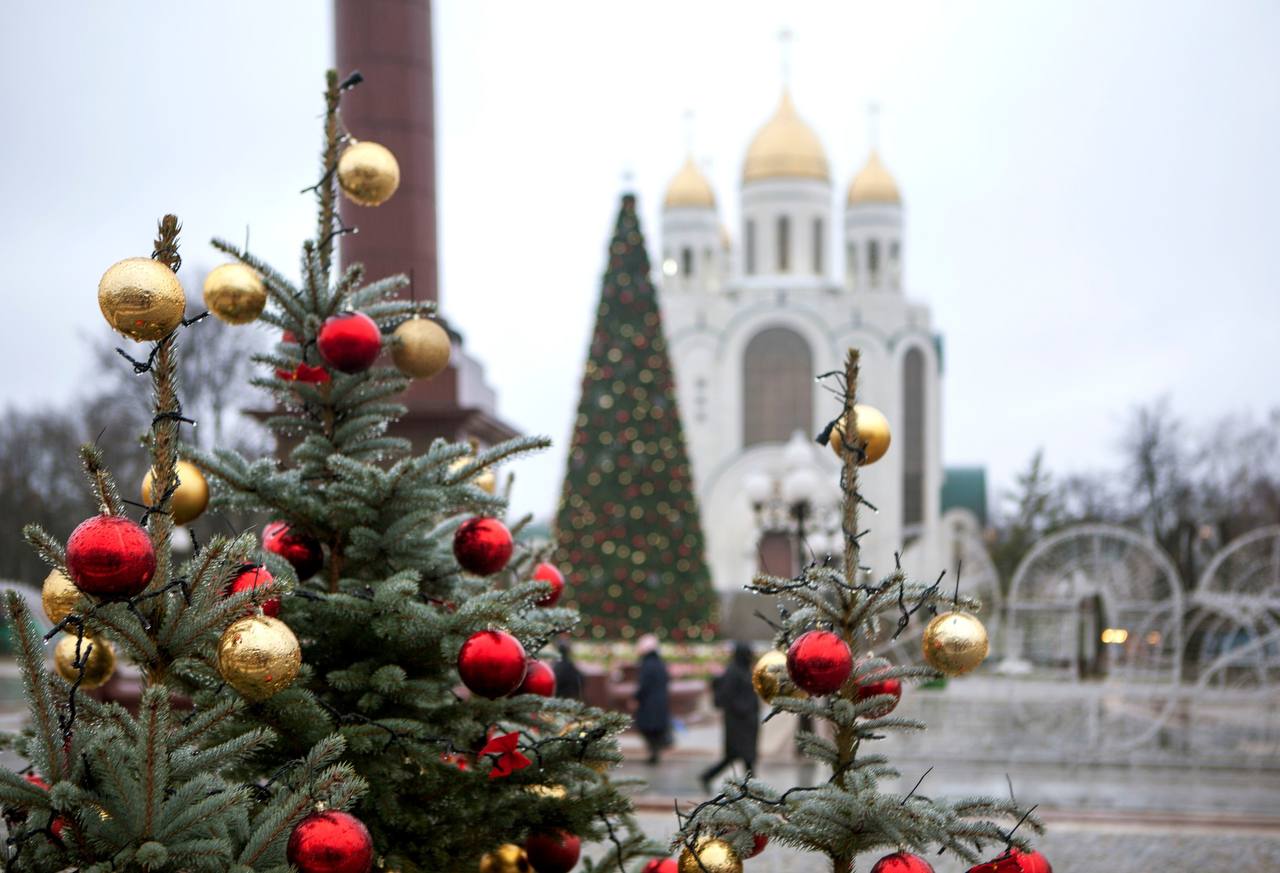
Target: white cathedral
<point>752,317</point>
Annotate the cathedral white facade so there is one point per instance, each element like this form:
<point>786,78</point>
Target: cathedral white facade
<point>753,314</point>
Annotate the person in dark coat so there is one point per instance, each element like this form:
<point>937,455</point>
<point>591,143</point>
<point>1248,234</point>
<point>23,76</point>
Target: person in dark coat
<point>653,709</point>
<point>734,694</point>
<point>568,676</point>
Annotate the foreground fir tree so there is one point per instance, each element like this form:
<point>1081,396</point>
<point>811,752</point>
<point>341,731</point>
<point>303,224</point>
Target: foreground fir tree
<point>420,620</point>
<point>827,673</point>
<point>628,521</point>
<point>107,789</point>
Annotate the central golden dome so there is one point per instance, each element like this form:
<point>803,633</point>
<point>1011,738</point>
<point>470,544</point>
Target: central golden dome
<point>873,184</point>
<point>785,147</point>
<point>690,187</point>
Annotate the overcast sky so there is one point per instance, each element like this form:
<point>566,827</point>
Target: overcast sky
<point>1091,187</point>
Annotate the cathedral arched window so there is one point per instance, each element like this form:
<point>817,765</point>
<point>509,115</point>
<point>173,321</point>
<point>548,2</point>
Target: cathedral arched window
<point>686,261</point>
<point>873,261</point>
<point>749,234</point>
<point>913,460</point>
<point>851,264</point>
<point>777,387</point>
<point>817,246</point>
<point>784,244</point>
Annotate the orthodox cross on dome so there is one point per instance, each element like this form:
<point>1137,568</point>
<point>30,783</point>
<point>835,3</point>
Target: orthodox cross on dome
<point>784,52</point>
<point>873,124</point>
<point>688,131</point>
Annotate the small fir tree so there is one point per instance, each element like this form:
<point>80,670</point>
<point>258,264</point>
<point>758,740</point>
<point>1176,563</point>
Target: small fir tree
<point>839,614</point>
<point>628,516</point>
<point>385,611</point>
<point>154,790</point>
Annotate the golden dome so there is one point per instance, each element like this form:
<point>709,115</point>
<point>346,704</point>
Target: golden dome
<point>873,184</point>
<point>690,188</point>
<point>785,147</point>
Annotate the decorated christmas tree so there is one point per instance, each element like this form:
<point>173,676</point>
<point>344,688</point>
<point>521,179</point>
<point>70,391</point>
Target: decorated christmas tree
<point>823,668</point>
<point>107,789</point>
<point>628,518</point>
<point>363,686</point>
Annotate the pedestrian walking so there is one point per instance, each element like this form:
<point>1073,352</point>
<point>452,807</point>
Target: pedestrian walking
<point>568,676</point>
<point>734,695</point>
<point>653,706</point>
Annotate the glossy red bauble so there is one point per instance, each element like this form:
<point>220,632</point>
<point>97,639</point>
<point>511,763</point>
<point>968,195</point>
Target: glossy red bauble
<point>1015,861</point>
<point>330,842</point>
<point>538,679</point>
<point>758,842</point>
<point>109,556</point>
<point>873,687</point>
<point>553,851</point>
<point>819,662</point>
<point>492,663</point>
<point>349,342</point>
<point>300,550</point>
<point>250,579</point>
<point>545,572</point>
<point>482,546</point>
<point>660,865</point>
<point>902,862</point>
<point>56,826</point>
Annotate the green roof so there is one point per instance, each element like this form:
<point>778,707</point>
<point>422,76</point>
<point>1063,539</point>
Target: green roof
<point>966,487</point>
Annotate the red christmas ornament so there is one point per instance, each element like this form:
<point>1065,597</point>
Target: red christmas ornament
<point>545,572</point>
<point>506,758</point>
<point>877,688</point>
<point>482,546</point>
<point>300,550</point>
<point>349,342</point>
<point>819,662</point>
<point>109,556</point>
<point>331,841</point>
<point>553,851</point>
<point>1015,861</point>
<point>902,862</point>
<point>56,826</point>
<point>661,865</point>
<point>492,663</point>
<point>758,842</point>
<point>250,579</point>
<point>538,679</point>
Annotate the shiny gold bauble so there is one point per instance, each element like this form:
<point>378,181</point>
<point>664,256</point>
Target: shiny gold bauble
<point>769,677</point>
<point>486,480</point>
<point>714,855</point>
<point>873,433</point>
<point>420,348</point>
<point>97,670</point>
<point>955,643</point>
<point>258,656</point>
<point>141,298</point>
<point>235,293</point>
<point>368,173</point>
<point>507,858</point>
<point>59,595</point>
<point>191,496</point>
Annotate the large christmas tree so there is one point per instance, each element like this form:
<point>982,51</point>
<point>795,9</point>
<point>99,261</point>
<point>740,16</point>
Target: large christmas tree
<point>825,668</point>
<point>378,652</point>
<point>628,518</point>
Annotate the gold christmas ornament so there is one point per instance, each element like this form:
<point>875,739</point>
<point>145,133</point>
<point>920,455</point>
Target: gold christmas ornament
<point>873,433</point>
<point>955,643</point>
<point>714,855</point>
<point>191,497</point>
<point>420,348</point>
<point>235,293</point>
<point>555,792</point>
<point>141,298</point>
<point>258,656</point>
<point>59,596</point>
<point>507,858</point>
<point>769,677</point>
<point>97,669</point>
<point>368,173</point>
<point>486,480</point>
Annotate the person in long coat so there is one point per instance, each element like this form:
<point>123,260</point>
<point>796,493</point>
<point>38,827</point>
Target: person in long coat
<point>653,706</point>
<point>734,695</point>
<point>568,676</point>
